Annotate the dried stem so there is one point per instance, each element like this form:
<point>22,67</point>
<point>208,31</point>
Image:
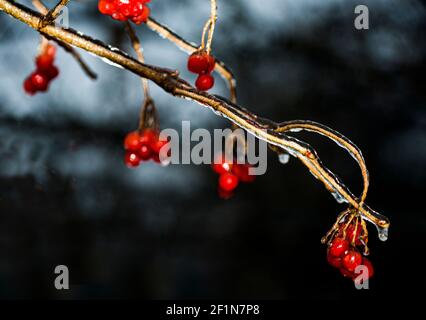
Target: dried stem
<point>262,128</point>
<point>139,52</point>
<point>38,4</point>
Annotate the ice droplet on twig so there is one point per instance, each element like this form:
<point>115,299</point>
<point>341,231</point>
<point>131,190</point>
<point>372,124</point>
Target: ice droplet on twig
<point>383,233</point>
<point>284,158</point>
<point>338,197</point>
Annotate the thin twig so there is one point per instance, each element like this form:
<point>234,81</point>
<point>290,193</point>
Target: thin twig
<point>262,128</point>
<point>213,18</point>
<point>53,13</point>
<point>38,4</point>
<point>139,52</point>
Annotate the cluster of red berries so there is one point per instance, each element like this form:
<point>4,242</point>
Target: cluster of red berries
<point>124,10</point>
<point>142,146</point>
<point>45,72</point>
<point>203,64</point>
<point>230,175</point>
<point>343,252</point>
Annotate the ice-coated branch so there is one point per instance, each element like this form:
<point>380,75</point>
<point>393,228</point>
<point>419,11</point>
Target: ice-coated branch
<point>169,80</point>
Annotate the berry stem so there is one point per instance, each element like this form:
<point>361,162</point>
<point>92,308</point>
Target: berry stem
<point>213,19</point>
<point>139,52</point>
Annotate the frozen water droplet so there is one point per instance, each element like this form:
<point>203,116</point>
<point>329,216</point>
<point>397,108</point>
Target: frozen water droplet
<point>383,233</point>
<point>111,63</point>
<point>338,197</point>
<point>284,158</point>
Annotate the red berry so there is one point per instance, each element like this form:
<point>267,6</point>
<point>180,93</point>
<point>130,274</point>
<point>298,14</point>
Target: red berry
<point>132,142</point>
<point>158,145</point>
<point>40,81</point>
<point>334,261</point>
<point>351,259</point>
<point>201,63</point>
<point>242,172</point>
<point>51,73</point>
<point>145,152</point>
<point>369,266</point>
<point>204,82</point>
<point>338,247</point>
<point>143,17</point>
<point>220,165</point>
<point>132,159</point>
<point>148,137</point>
<point>44,61</point>
<point>228,182</point>
<point>106,6</point>
<point>50,51</point>
<point>29,87</point>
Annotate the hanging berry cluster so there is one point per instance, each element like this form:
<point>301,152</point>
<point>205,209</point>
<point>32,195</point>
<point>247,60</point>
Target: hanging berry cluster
<point>123,10</point>
<point>203,64</point>
<point>230,175</point>
<point>45,72</point>
<point>141,146</point>
<point>348,236</point>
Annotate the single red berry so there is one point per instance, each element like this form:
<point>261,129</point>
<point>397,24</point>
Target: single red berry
<point>369,266</point>
<point>158,145</point>
<point>50,51</point>
<point>242,172</point>
<point>204,82</point>
<point>334,261</point>
<point>118,16</point>
<point>29,87</point>
<point>201,62</point>
<point>132,159</point>
<point>228,182</point>
<point>40,81</point>
<point>220,165</point>
<point>148,137</point>
<point>145,152</point>
<point>106,7</point>
<point>44,61</point>
<point>338,247</point>
<point>51,73</point>
<point>132,142</point>
<point>351,259</point>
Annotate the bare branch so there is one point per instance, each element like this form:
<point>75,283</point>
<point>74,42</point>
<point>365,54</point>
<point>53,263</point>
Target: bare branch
<point>335,136</point>
<point>262,128</point>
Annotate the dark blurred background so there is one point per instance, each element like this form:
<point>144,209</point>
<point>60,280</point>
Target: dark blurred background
<point>159,233</point>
